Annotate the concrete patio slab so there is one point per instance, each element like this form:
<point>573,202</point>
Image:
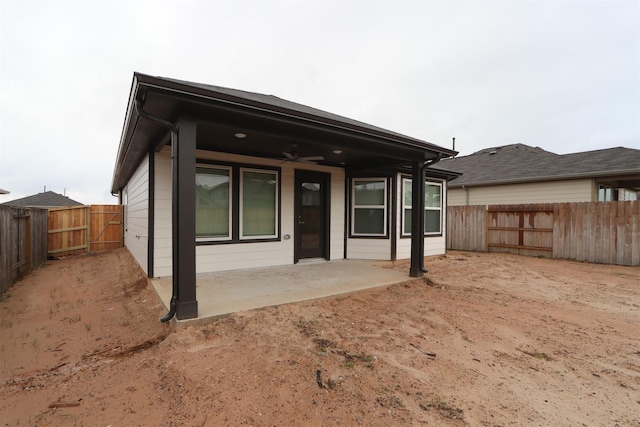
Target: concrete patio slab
<point>232,291</point>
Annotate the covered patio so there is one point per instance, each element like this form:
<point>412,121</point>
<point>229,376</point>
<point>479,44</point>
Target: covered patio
<point>215,179</point>
<point>233,291</point>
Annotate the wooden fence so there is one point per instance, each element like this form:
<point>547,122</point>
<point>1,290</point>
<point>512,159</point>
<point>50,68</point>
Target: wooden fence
<point>23,242</point>
<point>599,232</point>
<point>83,229</point>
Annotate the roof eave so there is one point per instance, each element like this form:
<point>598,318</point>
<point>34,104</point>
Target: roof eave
<point>172,87</point>
<point>124,143</point>
<point>565,177</point>
<point>188,90</point>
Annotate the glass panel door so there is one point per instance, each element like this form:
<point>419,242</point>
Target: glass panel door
<point>311,216</point>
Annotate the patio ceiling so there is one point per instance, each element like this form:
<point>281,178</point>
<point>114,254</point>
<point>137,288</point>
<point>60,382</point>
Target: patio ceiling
<point>271,125</point>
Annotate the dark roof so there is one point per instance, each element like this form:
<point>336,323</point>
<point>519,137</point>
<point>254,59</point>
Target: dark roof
<point>522,163</point>
<point>48,199</point>
<point>273,126</point>
<point>283,104</point>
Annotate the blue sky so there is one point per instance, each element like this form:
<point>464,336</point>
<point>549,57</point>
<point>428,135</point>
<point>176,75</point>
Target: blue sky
<point>561,75</point>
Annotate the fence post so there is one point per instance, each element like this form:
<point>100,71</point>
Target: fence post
<point>88,229</point>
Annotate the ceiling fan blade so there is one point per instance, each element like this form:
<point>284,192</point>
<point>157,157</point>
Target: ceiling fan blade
<point>303,160</point>
<point>289,156</point>
<point>311,158</point>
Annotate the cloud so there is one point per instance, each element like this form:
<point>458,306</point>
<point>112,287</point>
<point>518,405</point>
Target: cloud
<point>560,75</point>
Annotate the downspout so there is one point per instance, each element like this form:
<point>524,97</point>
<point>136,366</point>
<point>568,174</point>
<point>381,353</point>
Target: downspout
<point>423,174</point>
<point>466,197</point>
<point>174,140</point>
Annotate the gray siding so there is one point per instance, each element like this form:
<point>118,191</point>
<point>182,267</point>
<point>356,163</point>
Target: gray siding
<point>136,206</point>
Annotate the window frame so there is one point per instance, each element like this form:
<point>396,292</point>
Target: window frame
<point>384,207</point>
<point>240,193</point>
<point>235,209</point>
<point>229,169</point>
<point>406,182</point>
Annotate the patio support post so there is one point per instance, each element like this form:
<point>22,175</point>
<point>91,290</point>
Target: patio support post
<point>417,219</point>
<point>183,165</point>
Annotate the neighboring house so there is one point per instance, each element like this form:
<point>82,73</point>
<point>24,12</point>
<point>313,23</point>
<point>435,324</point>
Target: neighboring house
<point>216,179</point>
<point>518,173</point>
<point>45,200</point>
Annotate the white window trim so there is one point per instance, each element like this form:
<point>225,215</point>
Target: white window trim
<point>229,236</point>
<point>277,204</point>
<point>384,207</point>
<point>408,181</point>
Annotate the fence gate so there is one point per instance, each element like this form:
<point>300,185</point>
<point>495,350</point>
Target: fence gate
<point>84,229</point>
<point>527,229</point>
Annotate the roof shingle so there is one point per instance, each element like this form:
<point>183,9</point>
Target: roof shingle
<point>48,199</point>
<point>522,163</point>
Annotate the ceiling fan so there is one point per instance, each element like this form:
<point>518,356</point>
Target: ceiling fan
<point>293,157</point>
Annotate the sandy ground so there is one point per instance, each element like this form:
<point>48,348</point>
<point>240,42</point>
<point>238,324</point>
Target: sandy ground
<point>487,340</point>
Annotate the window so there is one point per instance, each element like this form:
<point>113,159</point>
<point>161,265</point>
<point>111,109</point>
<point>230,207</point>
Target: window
<point>258,204</point>
<point>432,207</point>
<point>369,207</point>
<point>604,193</point>
<point>236,204</point>
<point>213,203</point>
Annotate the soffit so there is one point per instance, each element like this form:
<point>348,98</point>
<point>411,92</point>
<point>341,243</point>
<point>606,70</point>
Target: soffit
<point>269,132</point>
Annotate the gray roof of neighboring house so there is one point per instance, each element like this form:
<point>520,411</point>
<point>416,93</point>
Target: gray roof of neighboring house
<point>48,199</point>
<point>522,163</point>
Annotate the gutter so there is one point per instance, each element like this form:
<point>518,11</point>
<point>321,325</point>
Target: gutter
<point>382,135</point>
<point>174,140</point>
<point>211,98</point>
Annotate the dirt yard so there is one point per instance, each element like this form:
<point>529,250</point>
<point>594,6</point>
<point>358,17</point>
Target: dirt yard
<point>486,340</point>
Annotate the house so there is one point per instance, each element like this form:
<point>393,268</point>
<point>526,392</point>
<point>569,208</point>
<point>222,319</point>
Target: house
<point>217,179</point>
<point>518,173</point>
<point>44,200</point>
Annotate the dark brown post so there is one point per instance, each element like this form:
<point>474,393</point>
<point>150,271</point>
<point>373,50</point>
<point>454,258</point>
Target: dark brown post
<point>183,164</point>
<point>417,219</point>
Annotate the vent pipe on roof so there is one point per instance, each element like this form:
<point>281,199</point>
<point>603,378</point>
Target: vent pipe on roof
<point>454,143</point>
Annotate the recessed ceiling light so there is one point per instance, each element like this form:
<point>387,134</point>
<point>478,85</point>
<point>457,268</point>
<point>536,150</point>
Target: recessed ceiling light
<point>337,151</point>
<point>240,135</point>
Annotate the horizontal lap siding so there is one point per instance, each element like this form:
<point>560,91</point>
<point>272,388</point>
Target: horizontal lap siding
<point>136,225</point>
<point>578,190</point>
<point>243,255</point>
<point>337,215</point>
<point>374,249</point>
<point>435,245</point>
<point>162,211</point>
<point>232,256</point>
